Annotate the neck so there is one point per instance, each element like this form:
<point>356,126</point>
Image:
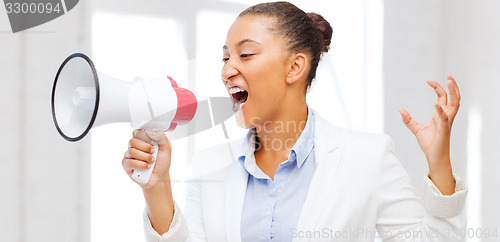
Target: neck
<point>277,137</point>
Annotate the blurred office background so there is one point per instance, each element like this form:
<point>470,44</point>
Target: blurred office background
<point>381,54</point>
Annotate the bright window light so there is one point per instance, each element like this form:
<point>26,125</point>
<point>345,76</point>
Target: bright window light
<point>474,169</point>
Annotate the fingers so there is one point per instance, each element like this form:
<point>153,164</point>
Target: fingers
<point>441,93</point>
<point>152,137</point>
<point>408,121</point>
<point>454,91</point>
<point>129,165</point>
<point>139,155</point>
<point>442,115</point>
<point>141,135</point>
<point>160,137</point>
<point>141,145</point>
<point>455,86</point>
<point>133,153</point>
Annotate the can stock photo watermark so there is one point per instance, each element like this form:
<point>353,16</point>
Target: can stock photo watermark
<point>27,14</point>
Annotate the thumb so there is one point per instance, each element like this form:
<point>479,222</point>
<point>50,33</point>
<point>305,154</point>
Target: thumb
<point>160,138</point>
<point>408,121</point>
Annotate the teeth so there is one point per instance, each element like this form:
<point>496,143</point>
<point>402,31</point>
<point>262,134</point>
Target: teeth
<point>234,90</point>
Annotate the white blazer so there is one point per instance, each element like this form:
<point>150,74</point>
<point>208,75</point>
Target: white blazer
<point>358,187</point>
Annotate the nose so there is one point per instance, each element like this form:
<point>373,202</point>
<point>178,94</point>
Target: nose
<point>229,71</point>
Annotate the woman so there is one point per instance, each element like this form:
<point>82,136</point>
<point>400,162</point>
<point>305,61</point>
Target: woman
<point>305,181</point>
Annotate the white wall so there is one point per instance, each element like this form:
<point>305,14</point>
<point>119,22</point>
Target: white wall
<point>45,180</point>
<point>426,40</point>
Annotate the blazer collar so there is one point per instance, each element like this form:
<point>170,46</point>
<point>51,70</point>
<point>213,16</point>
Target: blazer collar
<point>328,141</point>
<point>236,186</point>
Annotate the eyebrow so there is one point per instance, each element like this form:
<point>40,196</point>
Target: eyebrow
<point>243,42</point>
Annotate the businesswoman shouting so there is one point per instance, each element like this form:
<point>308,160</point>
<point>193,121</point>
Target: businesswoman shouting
<point>295,176</point>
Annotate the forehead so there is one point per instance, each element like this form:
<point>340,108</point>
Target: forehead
<point>252,27</point>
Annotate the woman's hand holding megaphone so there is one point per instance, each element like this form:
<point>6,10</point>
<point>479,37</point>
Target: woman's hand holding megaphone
<point>140,156</point>
<point>157,191</point>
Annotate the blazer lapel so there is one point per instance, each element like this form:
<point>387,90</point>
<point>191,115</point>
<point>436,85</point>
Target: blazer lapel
<point>235,197</point>
<point>328,154</point>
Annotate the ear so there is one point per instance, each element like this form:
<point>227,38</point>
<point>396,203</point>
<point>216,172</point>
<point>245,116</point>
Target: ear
<point>297,67</point>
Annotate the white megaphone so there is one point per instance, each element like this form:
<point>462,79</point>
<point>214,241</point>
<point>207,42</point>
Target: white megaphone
<point>83,98</point>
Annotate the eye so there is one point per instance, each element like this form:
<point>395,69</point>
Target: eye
<point>225,59</point>
<point>246,55</point>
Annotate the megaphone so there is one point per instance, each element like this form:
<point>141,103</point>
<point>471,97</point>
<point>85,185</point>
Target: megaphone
<point>83,98</point>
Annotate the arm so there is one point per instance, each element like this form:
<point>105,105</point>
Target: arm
<point>160,206</point>
<point>434,136</point>
<point>157,192</point>
<point>404,217</point>
<point>163,219</point>
<point>178,230</point>
<point>401,216</point>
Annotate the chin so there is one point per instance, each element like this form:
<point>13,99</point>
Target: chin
<point>246,120</point>
<point>241,121</point>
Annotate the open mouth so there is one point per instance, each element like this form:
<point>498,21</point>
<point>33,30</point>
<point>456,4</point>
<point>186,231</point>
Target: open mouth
<point>238,96</point>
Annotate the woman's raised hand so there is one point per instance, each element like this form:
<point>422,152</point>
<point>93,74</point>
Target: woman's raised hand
<point>434,136</point>
<point>139,155</point>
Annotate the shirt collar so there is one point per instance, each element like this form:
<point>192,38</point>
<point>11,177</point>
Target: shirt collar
<point>305,143</point>
<point>300,150</point>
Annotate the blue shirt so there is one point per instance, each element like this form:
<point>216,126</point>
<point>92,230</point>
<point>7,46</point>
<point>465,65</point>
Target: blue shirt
<point>272,208</point>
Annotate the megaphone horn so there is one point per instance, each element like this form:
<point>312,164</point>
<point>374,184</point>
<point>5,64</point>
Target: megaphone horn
<point>83,98</point>
<point>76,72</point>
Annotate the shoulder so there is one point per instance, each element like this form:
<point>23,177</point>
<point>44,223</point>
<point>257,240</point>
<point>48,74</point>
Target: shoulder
<point>358,152</point>
<point>350,139</point>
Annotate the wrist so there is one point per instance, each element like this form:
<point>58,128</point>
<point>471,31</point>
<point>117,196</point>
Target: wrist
<point>160,205</point>
<point>158,197</point>
<point>159,186</point>
<point>443,178</point>
<point>440,165</point>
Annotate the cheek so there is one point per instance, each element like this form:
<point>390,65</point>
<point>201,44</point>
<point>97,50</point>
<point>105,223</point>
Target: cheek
<point>272,89</point>
<point>267,79</point>
<point>263,89</point>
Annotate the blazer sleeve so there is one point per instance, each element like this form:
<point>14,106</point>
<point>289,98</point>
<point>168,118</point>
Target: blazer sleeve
<point>404,217</point>
<point>177,231</point>
<point>183,228</point>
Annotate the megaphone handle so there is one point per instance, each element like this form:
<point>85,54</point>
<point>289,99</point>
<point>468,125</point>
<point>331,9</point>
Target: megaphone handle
<point>143,176</point>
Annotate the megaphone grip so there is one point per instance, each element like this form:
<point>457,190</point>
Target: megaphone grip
<point>142,176</point>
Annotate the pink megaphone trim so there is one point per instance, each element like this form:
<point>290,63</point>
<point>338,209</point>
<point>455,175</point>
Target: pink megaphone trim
<point>186,105</point>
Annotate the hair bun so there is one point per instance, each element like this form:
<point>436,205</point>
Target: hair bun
<point>324,28</point>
